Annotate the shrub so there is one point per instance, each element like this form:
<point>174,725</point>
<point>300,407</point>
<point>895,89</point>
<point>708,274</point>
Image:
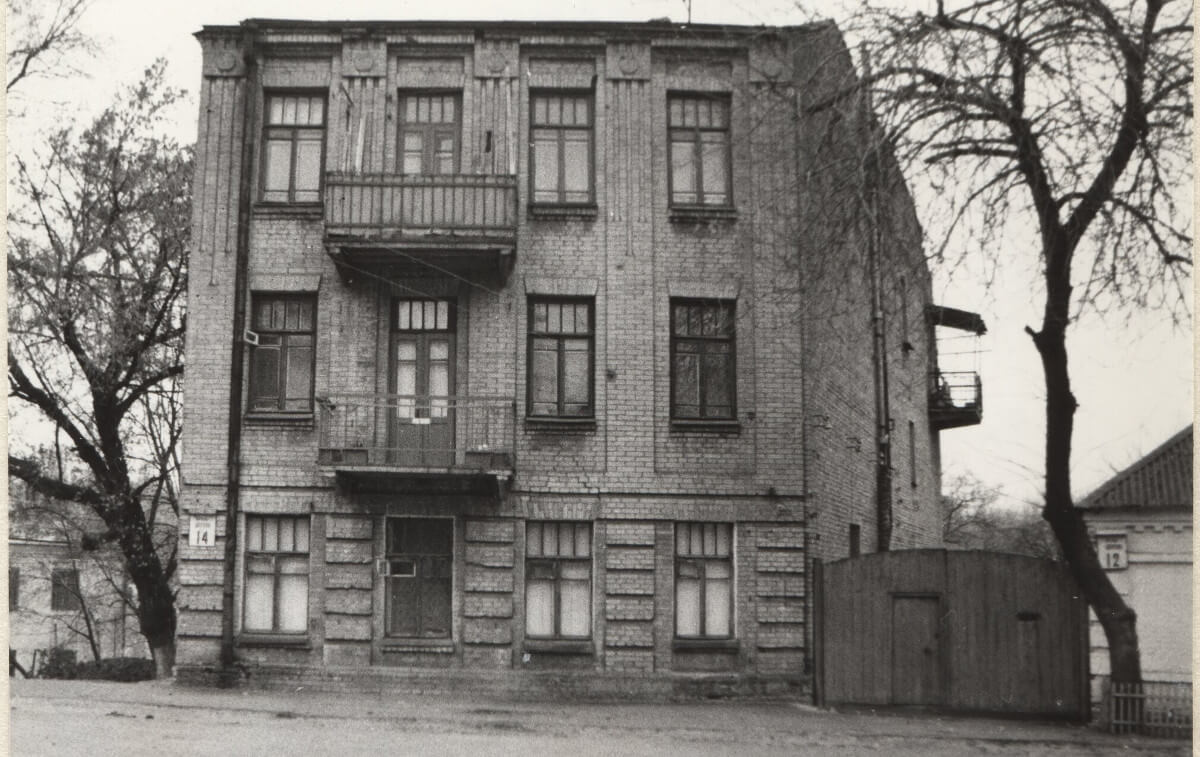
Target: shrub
<point>125,669</point>
<point>60,663</point>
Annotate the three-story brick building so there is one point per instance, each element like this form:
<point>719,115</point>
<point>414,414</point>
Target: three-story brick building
<point>544,347</point>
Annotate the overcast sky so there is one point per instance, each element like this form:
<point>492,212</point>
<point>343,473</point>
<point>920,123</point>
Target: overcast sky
<point>1133,378</point>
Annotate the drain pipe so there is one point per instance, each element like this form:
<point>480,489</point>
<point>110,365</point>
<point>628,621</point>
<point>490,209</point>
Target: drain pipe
<point>238,351</point>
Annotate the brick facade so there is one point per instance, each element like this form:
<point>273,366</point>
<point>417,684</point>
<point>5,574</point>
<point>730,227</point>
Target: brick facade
<point>790,472</point>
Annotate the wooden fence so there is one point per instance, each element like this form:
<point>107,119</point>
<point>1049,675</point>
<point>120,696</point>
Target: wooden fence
<point>969,631</point>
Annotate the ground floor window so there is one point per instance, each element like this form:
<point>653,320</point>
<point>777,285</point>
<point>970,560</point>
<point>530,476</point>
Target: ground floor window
<point>420,554</point>
<point>703,580</point>
<point>276,588</point>
<point>64,590</point>
<point>558,580</point>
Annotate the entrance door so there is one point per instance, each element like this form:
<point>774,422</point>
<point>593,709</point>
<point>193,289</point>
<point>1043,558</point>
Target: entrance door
<point>420,555</point>
<point>916,666</point>
<point>422,431</point>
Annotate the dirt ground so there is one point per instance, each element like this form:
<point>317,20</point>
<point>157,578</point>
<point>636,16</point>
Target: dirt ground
<point>156,718</point>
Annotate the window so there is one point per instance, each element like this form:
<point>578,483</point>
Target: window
<point>698,127</point>
<point>281,364</point>
<point>14,588</point>
<point>429,133</point>
<point>561,156</point>
<point>912,454</point>
<point>293,143</point>
<point>418,573</point>
<point>558,580</point>
<point>64,590</point>
<point>855,540</point>
<point>703,580</point>
<point>561,357</point>
<point>702,360</point>
<point>276,596</point>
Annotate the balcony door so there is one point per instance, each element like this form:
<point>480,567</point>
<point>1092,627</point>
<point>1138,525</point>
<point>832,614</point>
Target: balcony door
<point>423,411</point>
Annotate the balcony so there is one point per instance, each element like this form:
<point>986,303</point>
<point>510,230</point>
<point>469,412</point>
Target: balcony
<point>395,224</point>
<point>955,399</point>
<point>395,437</point>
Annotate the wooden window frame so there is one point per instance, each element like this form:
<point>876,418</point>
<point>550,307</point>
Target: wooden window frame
<point>292,133</point>
<point>556,563</point>
<point>560,337</point>
<point>14,588</point>
<point>702,562</point>
<point>429,130</point>
<point>561,130</point>
<point>281,404</point>
<point>731,340</point>
<point>276,574</point>
<point>694,137</point>
<point>65,592</point>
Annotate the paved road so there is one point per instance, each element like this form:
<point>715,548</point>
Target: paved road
<point>157,718</point>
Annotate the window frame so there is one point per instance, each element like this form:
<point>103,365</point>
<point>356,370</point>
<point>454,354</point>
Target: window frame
<point>428,129</point>
<point>726,100</point>
<point>556,562</point>
<point>276,574</point>
<point>704,561</point>
<point>560,337</point>
<point>14,588</point>
<point>677,339</point>
<point>292,131</point>
<point>281,409</point>
<point>560,141</point>
<point>65,592</point>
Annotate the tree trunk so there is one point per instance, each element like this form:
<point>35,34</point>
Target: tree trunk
<point>156,598</point>
<point>1116,618</point>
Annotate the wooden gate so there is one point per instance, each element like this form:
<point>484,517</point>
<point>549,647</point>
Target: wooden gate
<point>972,631</point>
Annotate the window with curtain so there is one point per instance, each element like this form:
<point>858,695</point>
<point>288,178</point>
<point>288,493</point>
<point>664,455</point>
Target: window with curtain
<point>558,580</point>
<point>560,162</point>
<point>703,580</point>
<point>275,595</point>
<point>429,133</point>
<point>698,130</point>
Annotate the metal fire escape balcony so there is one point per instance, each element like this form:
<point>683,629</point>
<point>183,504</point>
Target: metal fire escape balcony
<point>399,224</point>
<point>956,396</point>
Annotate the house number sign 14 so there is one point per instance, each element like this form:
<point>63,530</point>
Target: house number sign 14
<point>202,532</point>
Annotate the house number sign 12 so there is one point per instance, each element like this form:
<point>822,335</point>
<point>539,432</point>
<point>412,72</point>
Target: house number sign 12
<point>202,532</point>
<point>1112,552</point>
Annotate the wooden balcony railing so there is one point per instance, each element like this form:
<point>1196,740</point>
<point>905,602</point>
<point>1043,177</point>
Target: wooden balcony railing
<point>416,433</point>
<point>468,204</point>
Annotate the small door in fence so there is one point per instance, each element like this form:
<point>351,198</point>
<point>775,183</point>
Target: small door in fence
<point>916,656</point>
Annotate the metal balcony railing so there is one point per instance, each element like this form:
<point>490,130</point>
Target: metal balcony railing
<point>469,204</point>
<point>416,433</point>
<point>955,399</point>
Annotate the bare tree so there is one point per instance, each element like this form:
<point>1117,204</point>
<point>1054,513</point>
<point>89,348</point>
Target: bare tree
<point>1071,118</point>
<point>41,36</point>
<point>97,275</point>
<point>973,519</point>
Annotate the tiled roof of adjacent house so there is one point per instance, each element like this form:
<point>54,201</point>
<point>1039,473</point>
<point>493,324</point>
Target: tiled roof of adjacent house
<point>1162,478</point>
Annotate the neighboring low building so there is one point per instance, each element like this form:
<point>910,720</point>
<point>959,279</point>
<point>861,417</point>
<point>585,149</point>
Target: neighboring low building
<point>1141,520</point>
<point>60,596</point>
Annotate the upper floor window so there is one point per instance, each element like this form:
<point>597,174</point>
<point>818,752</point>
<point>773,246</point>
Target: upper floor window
<point>429,133</point>
<point>281,364</point>
<point>561,158</point>
<point>702,360</point>
<point>561,356</point>
<point>64,590</point>
<point>293,144</point>
<point>276,588</point>
<point>698,127</point>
